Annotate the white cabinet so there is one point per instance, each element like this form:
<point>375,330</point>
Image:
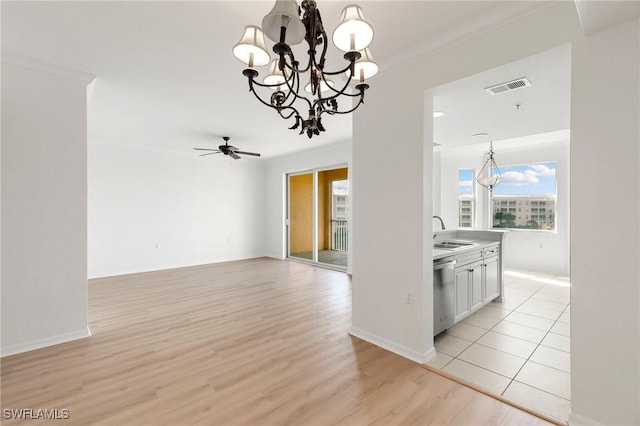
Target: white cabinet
<point>477,280</point>
<point>468,283</point>
<point>469,296</point>
<point>477,294</point>
<point>490,272</point>
<point>463,303</point>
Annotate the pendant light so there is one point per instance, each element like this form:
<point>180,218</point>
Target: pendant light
<point>493,177</point>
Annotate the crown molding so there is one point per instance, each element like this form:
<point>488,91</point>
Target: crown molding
<point>460,33</point>
<point>22,62</point>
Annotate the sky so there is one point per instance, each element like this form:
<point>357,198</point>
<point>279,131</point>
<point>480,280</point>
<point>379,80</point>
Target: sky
<point>529,179</point>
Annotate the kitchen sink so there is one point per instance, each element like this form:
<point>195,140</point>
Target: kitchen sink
<point>451,244</point>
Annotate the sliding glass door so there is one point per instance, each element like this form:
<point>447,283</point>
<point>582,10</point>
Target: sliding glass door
<point>301,195</point>
<point>318,216</point>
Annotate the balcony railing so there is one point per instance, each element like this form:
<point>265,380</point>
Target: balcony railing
<point>340,235</point>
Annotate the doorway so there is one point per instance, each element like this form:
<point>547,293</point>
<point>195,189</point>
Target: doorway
<point>318,217</point>
<point>518,348</point>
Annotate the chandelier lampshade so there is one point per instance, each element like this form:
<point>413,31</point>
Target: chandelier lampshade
<point>251,49</point>
<point>365,67</point>
<point>353,32</point>
<point>284,14</point>
<point>276,79</point>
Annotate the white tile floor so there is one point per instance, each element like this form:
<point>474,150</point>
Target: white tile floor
<point>519,348</point>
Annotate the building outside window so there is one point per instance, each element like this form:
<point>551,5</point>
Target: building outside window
<point>466,198</point>
<point>529,189</point>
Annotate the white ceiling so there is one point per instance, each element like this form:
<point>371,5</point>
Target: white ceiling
<point>543,107</point>
<point>167,77</point>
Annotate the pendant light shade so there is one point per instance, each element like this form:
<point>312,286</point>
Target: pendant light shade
<point>365,67</point>
<point>489,181</point>
<point>284,14</point>
<point>251,48</point>
<point>275,77</point>
<point>353,33</point>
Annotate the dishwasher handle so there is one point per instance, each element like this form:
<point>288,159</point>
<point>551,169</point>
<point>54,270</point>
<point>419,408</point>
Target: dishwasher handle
<point>444,263</point>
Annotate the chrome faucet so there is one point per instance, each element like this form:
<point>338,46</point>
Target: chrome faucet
<point>441,222</point>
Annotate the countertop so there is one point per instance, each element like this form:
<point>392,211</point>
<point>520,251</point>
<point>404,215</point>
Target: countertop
<point>480,238</point>
<point>478,244</point>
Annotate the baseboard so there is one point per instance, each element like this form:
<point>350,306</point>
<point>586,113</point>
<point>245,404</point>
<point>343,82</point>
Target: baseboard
<point>394,347</point>
<point>43,343</point>
<point>578,420</point>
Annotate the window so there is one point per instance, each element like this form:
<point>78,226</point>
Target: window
<point>339,191</point>
<point>533,188</point>
<point>466,198</point>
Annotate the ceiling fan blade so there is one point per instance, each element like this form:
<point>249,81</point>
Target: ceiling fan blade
<point>206,149</point>
<point>209,153</point>
<point>234,155</point>
<point>255,154</point>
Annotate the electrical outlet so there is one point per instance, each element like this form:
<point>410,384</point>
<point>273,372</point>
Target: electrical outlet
<point>409,298</point>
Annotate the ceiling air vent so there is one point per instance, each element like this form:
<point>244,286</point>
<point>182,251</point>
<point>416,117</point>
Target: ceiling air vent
<point>508,87</point>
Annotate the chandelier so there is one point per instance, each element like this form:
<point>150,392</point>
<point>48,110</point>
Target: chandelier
<point>310,89</point>
<point>493,177</point>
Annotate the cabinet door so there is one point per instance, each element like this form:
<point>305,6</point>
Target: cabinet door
<point>463,302</point>
<point>477,295</point>
<point>491,278</point>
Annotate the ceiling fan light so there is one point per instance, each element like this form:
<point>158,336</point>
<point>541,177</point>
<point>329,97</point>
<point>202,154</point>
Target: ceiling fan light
<point>364,67</point>
<point>275,77</point>
<point>353,33</point>
<point>284,14</point>
<point>251,49</point>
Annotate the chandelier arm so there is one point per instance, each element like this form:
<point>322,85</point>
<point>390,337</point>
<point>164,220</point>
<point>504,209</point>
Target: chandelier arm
<point>278,109</point>
<point>332,112</point>
<point>260,99</point>
<point>295,92</point>
<point>325,43</point>
<point>295,69</point>
<point>293,111</point>
<point>337,93</point>
<point>252,90</point>
<point>342,71</point>
<point>275,86</point>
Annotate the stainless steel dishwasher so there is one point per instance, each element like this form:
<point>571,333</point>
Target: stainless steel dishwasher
<point>443,293</point>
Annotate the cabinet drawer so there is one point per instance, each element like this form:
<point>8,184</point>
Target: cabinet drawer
<point>491,251</point>
<point>464,258</point>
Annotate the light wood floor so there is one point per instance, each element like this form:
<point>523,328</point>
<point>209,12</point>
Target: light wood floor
<point>256,342</point>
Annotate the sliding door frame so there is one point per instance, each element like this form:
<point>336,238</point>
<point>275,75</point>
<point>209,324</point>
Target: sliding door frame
<point>314,208</point>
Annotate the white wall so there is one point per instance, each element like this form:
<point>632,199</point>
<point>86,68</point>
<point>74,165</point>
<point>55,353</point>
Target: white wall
<point>389,261</point>
<point>389,215</point>
<point>605,228</point>
<point>44,205</point>
<point>337,154</point>
<point>151,209</point>
<point>532,250</point>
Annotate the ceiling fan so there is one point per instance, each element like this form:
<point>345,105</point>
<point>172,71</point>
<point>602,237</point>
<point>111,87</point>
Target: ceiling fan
<point>227,149</point>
